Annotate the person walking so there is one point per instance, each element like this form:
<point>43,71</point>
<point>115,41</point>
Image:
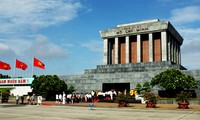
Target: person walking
<point>39,100</point>
<point>28,99</point>
<point>57,99</point>
<point>63,98</point>
<point>60,98</point>
<point>33,99</point>
<point>17,99</point>
<point>22,99</point>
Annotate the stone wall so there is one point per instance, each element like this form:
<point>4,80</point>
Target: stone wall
<point>196,75</point>
<point>122,73</point>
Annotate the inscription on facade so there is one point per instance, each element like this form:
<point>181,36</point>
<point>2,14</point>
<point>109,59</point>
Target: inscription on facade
<point>131,29</point>
<point>16,81</point>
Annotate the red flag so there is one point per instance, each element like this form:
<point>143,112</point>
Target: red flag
<point>4,66</point>
<point>20,65</point>
<point>38,63</point>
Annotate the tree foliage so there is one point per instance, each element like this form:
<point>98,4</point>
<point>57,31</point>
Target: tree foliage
<point>48,86</point>
<point>174,79</point>
<point>147,87</point>
<point>4,76</point>
<point>71,89</point>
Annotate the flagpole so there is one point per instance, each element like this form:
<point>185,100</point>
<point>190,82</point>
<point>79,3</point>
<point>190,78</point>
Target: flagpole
<point>15,68</point>
<point>32,66</point>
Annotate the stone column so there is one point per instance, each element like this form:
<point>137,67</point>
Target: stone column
<point>138,48</point>
<point>116,50</point>
<point>105,53</point>
<point>110,53</point>
<point>172,49</point>
<point>164,45</point>
<point>150,47</point>
<point>169,47</point>
<point>177,56</point>
<point>127,50</point>
<point>178,53</point>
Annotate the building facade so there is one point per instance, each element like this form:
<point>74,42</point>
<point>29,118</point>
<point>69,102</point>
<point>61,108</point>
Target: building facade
<point>133,53</point>
<point>146,41</point>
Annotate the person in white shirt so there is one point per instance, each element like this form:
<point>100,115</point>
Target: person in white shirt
<point>57,99</point>
<point>60,98</point>
<point>69,96</point>
<point>111,95</point>
<point>17,99</point>
<point>28,99</point>
<point>64,98</point>
<point>39,100</point>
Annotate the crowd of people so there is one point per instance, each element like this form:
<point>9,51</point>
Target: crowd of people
<point>87,97</point>
<point>29,98</point>
<point>74,98</point>
<point>64,98</point>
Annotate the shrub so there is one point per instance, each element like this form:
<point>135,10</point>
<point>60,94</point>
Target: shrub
<point>122,98</point>
<point>5,96</point>
<point>150,97</point>
<point>183,96</point>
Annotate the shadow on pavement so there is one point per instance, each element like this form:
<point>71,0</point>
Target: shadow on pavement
<point>12,105</point>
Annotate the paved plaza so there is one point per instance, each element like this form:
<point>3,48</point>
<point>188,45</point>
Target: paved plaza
<point>60,112</point>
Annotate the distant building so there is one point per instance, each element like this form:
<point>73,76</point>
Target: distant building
<point>133,53</point>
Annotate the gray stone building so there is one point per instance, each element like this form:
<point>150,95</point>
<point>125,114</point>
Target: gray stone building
<point>133,53</point>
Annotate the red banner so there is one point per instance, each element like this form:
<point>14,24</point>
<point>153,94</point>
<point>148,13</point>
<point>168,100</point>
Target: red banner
<point>21,65</point>
<point>38,63</point>
<point>4,66</point>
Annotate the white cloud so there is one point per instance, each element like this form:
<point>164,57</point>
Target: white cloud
<point>39,46</point>
<point>18,45</point>
<point>191,47</point>
<point>21,18</point>
<point>23,15</point>
<point>191,54</point>
<point>4,47</point>
<point>191,44</point>
<point>6,51</point>
<point>43,48</point>
<point>190,34</point>
<point>187,19</point>
<point>95,45</point>
<point>185,15</point>
<point>191,60</point>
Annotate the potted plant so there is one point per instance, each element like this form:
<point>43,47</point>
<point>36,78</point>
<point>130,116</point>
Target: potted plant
<point>122,100</point>
<point>5,96</point>
<point>138,88</point>
<point>183,99</point>
<point>151,99</point>
<point>146,87</point>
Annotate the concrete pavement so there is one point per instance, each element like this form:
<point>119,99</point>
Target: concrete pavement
<point>36,112</point>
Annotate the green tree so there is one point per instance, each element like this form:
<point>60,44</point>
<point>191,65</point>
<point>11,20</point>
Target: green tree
<point>71,89</point>
<point>147,87</point>
<point>174,79</point>
<point>48,86</point>
<point>138,88</point>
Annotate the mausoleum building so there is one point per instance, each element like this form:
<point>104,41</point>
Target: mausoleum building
<point>133,53</point>
<point>146,41</point>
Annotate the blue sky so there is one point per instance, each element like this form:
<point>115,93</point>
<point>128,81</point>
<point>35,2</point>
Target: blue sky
<point>64,34</point>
